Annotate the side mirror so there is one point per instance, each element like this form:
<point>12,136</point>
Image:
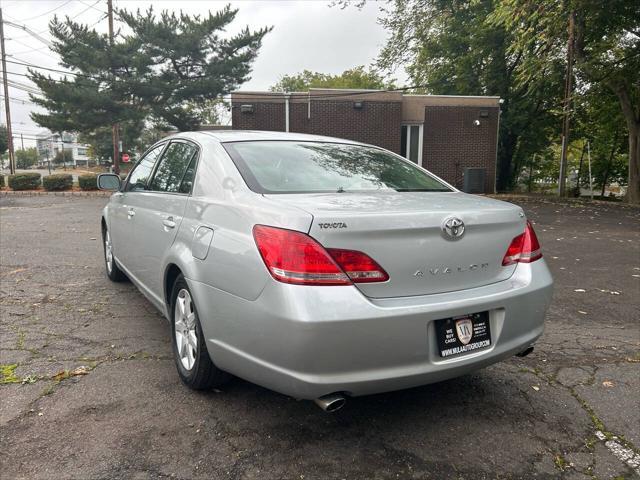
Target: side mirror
<point>109,181</point>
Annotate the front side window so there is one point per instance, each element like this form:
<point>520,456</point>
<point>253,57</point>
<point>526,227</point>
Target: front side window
<point>173,166</point>
<point>140,174</point>
<point>318,167</point>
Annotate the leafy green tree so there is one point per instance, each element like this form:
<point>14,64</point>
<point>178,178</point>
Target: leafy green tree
<point>355,78</point>
<point>450,48</point>
<point>153,133</point>
<point>63,157</point>
<point>599,120</point>
<point>159,67</point>
<point>4,139</point>
<point>209,112</point>
<point>607,52</point>
<point>101,142</point>
<point>26,158</point>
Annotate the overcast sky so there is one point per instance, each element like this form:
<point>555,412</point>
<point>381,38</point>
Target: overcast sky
<point>307,35</point>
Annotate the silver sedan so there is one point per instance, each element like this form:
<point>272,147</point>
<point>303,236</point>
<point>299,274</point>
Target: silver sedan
<point>321,268</point>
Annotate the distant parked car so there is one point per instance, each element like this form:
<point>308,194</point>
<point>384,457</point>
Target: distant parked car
<point>321,268</point>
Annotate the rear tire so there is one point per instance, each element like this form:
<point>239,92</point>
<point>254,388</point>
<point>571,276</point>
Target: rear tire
<point>195,367</point>
<point>113,271</point>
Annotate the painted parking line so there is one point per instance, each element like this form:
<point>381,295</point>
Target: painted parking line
<point>624,454</point>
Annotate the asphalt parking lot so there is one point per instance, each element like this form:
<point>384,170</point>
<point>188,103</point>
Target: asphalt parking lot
<point>89,388</point>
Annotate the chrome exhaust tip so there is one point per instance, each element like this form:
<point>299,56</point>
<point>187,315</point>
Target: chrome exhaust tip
<point>331,403</point>
<point>525,352</point>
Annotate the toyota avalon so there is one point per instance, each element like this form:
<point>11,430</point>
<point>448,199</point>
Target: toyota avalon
<point>321,268</point>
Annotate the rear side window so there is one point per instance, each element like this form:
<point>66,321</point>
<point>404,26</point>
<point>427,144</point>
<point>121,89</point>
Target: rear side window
<point>142,171</point>
<point>190,174</point>
<point>321,167</point>
<point>174,167</point>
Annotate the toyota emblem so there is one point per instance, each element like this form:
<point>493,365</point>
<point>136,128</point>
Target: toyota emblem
<point>453,228</point>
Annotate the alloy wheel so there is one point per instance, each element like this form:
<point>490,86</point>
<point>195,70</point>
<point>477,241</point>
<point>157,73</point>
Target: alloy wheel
<point>185,329</point>
<point>108,251</point>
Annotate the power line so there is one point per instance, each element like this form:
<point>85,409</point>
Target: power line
<point>55,70</point>
<point>18,101</point>
<point>46,13</point>
<point>29,31</point>
<point>91,6</point>
<point>23,87</point>
<point>99,20</point>
<point>56,80</point>
<point>30,47</point>
<point>16,98</point>
<point>22,52</point>
<point>28,36</point>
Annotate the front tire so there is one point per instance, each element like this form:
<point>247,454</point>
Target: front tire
<point>113,271</point>
<point>195,367</point>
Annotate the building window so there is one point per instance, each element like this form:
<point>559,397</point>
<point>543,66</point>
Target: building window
<point>82,151</point>
<point>411,143</point>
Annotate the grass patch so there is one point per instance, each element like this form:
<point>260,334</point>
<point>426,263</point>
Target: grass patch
<point>560,463</point>
<point>7,374</point>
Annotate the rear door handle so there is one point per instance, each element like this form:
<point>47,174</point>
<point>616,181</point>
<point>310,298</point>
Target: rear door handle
<point>168,222</point>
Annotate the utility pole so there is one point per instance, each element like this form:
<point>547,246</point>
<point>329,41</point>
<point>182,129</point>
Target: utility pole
<point>12,157</point>
<point>115,134</point>
<point>568,89</point>
<point>22,141</point>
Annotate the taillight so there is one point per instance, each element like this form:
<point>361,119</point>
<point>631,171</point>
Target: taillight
<point>294,257</point>
<point>360,267</point>
<point>525,248</point>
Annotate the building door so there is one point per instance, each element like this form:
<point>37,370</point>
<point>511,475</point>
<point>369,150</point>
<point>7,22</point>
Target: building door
<point>411,142</point>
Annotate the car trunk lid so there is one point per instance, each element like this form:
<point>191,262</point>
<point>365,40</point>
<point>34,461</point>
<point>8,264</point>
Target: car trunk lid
<point>403,232</point>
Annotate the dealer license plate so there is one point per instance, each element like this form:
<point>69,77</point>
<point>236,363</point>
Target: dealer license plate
<point>464,334</point>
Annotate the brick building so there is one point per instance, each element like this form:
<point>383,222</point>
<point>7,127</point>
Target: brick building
<point>454,137</point>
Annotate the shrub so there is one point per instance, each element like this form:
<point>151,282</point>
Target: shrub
<point>1,181</point>
<point>88,181</point>
<point>24,181</point>
<point>57,181</point>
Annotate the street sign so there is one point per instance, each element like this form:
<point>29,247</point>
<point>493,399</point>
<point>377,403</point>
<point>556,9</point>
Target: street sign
<point>126,158</point>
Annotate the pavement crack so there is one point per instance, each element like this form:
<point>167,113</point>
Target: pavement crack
<point>621,448</point>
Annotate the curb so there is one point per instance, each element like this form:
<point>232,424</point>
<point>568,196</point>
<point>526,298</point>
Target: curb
<point>36,193</point>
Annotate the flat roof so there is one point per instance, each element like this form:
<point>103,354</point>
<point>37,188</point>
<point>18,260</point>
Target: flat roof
<point>408,99</point>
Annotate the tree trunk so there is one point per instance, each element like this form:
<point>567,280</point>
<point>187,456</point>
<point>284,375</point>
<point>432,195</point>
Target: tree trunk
<point>632,117</point>
<point>507,148</point>
<point>633,190</point>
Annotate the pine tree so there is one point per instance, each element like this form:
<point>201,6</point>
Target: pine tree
<point>162,69</point>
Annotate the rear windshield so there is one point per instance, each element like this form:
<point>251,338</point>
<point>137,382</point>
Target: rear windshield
<point>319,167</point>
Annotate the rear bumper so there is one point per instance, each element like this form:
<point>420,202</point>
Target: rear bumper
<point>311,341</point>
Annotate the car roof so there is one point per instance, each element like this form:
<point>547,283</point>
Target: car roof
<point>252,135</point>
